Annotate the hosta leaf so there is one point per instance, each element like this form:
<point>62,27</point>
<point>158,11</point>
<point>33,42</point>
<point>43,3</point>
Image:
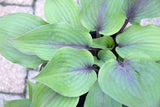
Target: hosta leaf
<point>140,9</point>
<point>98,62</point>
<point>63,11</point>
<point>30,88</point>
<point>18,103</point>
<point>134,82</point>
<point>13,26</point>
<point>104,55</point>
<point>69,72</point>
<point>45,41</point>
<point>104,16</point>
<point>97,98</point>
<point>105,42</point>
<point>140,39</point>
<point>45,97</point>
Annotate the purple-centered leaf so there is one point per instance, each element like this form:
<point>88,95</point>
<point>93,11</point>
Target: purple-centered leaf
<point>136,38</point>
<point>140,9</point>
<point>104,16</point>
<point>69,72</point>
<point>46,40</point>
<point>133,82</point>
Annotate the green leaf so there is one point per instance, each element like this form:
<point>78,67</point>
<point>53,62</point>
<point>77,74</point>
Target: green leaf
<point>56,36</point>
<point>97,98</point>
<point>140,9</point>
<point>18,103</point>
<point>69,72</point>
<point>45,97</point>
<point>134,82</point>
<point>13,26</point>
<point>63,11</point>
<point>105,42</point>
<point>98,62</point>
<point>30,88</point>
<point>104,55</point>
<point>104,16</point>
<point>140,39</point>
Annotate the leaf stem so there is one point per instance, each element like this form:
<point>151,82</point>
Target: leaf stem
<point>97,34</point>
<point>114,38</point>
<point>123,27</point>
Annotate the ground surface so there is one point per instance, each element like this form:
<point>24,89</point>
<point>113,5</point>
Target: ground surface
<point>12,76</point>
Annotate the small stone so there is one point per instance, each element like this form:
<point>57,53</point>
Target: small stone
<point>154,21</point>
<point>12,77</point>
<point>20,2</point>
<point>31,75</point>
<point>39,8</point>
<point>27,92</point>
<point>5,10</point>
<point>128,25</point>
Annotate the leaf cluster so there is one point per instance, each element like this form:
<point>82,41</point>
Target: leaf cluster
<point>116,67</point>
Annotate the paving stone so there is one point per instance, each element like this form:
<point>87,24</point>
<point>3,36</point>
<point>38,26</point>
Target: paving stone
<point>31,75</point>
<point>155,21</point>
<point>1,101</point>
<point>39,8</point>
<point>12,77</point>
<point>27,93</point>
<point>8,97</point>
<point>20,2</point>
<point>4,10</point>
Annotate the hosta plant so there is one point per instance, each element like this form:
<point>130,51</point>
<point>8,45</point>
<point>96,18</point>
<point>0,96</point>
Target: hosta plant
<point>86,50</point>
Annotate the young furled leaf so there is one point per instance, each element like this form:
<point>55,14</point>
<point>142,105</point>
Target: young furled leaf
<point>103,55</point>
<point>140,9</point>
<point>69,72</point>
<point>105,42</point>
<point>134,82</point>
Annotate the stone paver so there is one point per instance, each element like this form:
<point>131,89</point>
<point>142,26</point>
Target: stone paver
<point>39,8</point>
<point>12,77</point>
<point>31,75</point>
<point>19,2</point>
<point>155,21</point>
<point>14,9</point>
